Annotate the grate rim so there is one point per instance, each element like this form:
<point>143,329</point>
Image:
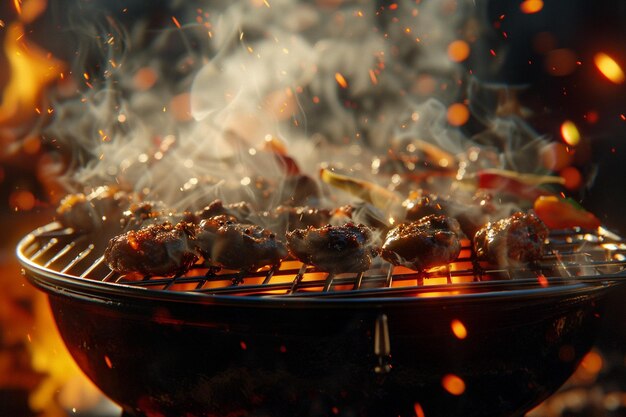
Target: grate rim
<point>572,256</point>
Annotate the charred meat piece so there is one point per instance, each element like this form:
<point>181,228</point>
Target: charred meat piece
<point>335,249</point>
<point>100,209</point>
<point>224,242</point>
<point>157,249</point>
<point>518,238</point>
<point>423,244</point>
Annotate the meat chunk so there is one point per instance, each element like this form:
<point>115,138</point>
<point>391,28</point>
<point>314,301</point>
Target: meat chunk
<point>228,244</point>
<point>335,249</point>
<point>158,249</point>
<point>518,238</point>
<point>422,244</point>
<point>100,209</point>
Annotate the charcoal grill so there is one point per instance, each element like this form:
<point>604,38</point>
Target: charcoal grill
<point>291,340</point>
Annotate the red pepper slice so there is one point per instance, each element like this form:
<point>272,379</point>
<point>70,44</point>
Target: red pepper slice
<point>509,185</point>
<point>562,213</point>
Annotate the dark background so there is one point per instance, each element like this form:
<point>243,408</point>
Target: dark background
<point>584,27</point>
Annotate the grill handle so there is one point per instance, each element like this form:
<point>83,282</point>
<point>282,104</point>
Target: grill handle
<point>382,345</point>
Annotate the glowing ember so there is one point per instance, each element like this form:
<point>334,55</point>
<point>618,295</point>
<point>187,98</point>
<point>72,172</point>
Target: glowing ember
<point>531,6</point>
<point>609,68</point>
<point>458,51</point>
<point>419,411</point>
<point>341,80</point>
<point>459,329</point>
<point>458,114</point>
<point>453,384</point>
<point>570,133</point>
<point>543,281</point>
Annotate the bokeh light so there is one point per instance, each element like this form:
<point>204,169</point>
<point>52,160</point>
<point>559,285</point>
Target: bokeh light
<point>458,114</point>
<point>459,329</point>
<point>458,50</point>
<point>561,62</point>
<point>531,6</point>
<point>555,156</point>
<point>453,384</point>
<point>570,133</point>
<point>609,68</point>
<point>572,176</point>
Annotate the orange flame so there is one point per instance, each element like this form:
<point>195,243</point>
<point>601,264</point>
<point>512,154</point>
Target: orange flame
<point>31,67</point>
<point>609,68</point>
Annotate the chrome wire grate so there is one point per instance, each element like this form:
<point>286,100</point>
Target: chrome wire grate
<point>574,255</point>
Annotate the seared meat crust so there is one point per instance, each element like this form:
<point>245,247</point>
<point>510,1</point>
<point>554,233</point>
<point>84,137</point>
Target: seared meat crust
<point>517,238</point>
<point>336,249</point>
<point>99,210</point>
<point>157,249</point>
<point>422,244</point>
<point>225,243</point>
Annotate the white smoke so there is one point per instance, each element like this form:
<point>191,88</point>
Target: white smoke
<point>335,81</point>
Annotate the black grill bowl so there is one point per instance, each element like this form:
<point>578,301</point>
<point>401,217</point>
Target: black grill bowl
<point>235,356</point>
<point>185,354</point>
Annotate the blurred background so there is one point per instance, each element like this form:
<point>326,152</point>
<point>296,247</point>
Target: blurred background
<point>557,64</point>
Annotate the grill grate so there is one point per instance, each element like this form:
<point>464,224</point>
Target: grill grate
<point>573,255</point>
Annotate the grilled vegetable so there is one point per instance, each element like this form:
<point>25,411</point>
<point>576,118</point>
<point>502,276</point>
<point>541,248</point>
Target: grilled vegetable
<point>526,186</point>
<point>564,213</point>
<point>370,192</point>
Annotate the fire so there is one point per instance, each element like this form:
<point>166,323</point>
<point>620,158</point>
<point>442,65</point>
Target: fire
<point>453,384</point>
<point>31,67</point>
<point>609,68</point>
